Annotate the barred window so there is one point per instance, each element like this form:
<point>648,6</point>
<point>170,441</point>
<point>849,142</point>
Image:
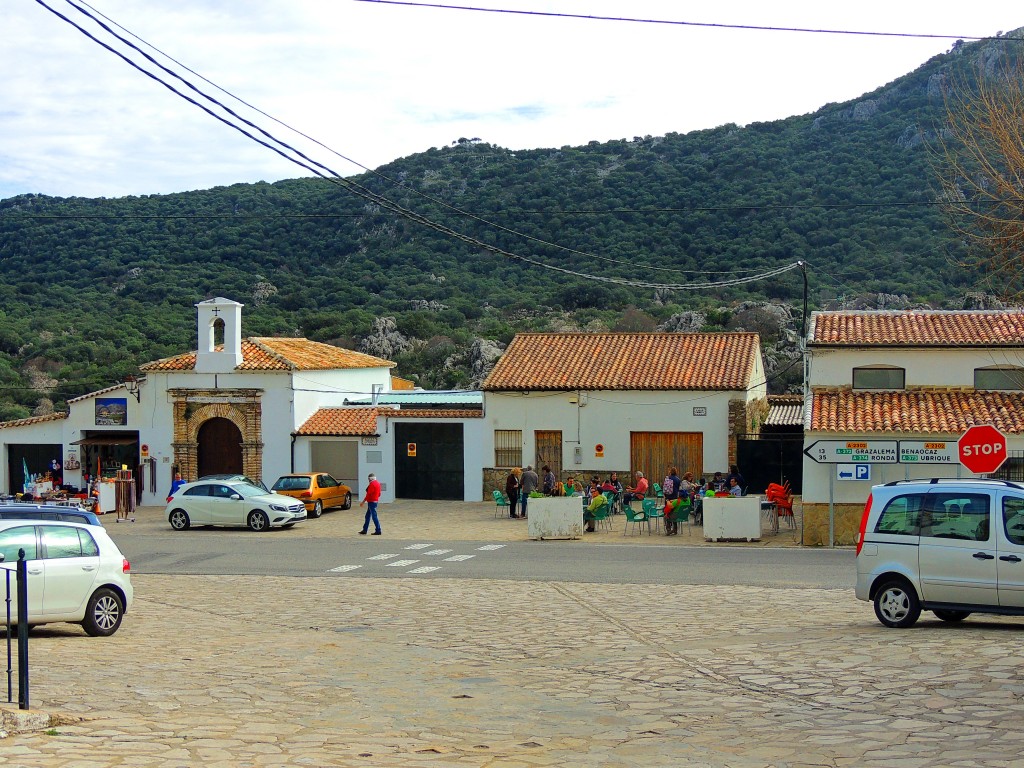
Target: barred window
<point>508,447</point>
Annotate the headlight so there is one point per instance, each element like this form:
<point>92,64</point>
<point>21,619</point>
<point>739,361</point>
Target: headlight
<point>279,508</point>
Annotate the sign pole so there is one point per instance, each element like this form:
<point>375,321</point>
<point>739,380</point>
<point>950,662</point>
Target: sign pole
<point>832,510</point>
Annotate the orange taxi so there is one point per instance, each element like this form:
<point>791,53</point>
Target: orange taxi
<point>317,490</point>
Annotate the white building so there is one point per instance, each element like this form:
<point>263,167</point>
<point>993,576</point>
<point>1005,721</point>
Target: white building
<point>912,382</point>
<point>262,407</point>
<point>594,403</point>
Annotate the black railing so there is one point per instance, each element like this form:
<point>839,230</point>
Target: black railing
<point>21,595</point>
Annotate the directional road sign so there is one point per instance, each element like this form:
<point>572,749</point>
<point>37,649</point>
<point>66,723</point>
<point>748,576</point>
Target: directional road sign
<point>850,451</point>
<point>929,452</point>
<point>853,471</point>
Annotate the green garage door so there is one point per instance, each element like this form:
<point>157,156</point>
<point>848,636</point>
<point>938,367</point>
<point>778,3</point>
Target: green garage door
<point>436,470</point>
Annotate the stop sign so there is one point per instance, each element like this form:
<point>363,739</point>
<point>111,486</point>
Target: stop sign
<point>982,449</point>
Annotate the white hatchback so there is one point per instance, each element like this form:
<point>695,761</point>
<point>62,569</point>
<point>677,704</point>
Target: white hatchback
<point>75,573</point>
<point>231,502</point>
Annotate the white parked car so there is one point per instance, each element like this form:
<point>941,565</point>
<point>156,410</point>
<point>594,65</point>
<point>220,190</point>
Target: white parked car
<point>232,502</point>
<point>75,573</point>
<point>952,547</point>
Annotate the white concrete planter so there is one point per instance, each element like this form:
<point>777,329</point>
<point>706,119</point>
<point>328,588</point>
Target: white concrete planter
<point>555,518</point>
<point>732,518</point>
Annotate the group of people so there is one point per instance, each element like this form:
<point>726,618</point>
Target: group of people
<point>678,491</point>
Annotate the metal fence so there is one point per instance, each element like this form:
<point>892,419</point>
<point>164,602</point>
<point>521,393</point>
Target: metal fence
<point>1013,467</point>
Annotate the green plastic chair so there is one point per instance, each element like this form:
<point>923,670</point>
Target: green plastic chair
<point>500,502</point>
<point>653,511</point>
<point>633,517</point>
<point>602,516</point>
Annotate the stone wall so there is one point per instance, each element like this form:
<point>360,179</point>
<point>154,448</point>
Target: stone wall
<point>243,407</point>
<point>744,418</point>
<point>845,526</point>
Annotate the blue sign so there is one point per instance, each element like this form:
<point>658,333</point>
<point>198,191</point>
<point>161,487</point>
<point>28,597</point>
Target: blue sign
<point>862,472</point>
<point>853,471</point>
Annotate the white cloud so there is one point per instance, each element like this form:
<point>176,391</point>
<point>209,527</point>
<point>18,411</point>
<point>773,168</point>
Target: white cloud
<point>376,82</point>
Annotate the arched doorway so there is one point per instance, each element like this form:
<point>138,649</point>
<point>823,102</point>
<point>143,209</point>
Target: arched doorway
<point>219,448</point>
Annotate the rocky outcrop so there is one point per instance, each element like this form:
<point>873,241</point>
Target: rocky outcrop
<point>684,322</point>
<point>384,340</point>
<point>483,354</point>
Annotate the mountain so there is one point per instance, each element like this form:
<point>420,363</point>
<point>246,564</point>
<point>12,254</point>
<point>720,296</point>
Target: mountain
<point>91,288</point>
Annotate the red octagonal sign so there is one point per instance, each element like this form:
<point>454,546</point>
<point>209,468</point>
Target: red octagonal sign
<point>982,449</point>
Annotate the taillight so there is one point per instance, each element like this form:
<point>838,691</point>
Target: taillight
<point>125,565</point>
<point>863,524</point>
<point>305,495</point>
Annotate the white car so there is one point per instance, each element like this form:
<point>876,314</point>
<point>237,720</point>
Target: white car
<point>75,573</point>
<point>232,502</point>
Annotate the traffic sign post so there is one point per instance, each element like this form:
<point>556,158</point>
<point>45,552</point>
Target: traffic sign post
<point>982,449</point>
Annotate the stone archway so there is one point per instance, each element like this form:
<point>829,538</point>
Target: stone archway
<point>240,408</point>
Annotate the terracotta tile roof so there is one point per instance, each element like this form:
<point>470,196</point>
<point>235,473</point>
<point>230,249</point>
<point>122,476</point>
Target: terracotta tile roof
<point>636,361</point>
<point>33,420</point>
<point>341,421</point>
<point>945,411</point>
<point>279,354</point>
<point>919,327</point>
<point>97,393</point>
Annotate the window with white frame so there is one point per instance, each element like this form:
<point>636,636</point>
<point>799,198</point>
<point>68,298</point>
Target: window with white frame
<point>999,378</point>
<point>508,447</point>
<point>879,378</point>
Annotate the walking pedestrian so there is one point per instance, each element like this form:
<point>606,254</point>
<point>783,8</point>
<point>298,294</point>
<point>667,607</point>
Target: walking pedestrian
<point>527,486</point>
<point>512,490</point>
<point>370,499</point>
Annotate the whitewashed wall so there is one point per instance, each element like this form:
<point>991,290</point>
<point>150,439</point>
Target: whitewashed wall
<point>934,367</point>
<point>607,418</point>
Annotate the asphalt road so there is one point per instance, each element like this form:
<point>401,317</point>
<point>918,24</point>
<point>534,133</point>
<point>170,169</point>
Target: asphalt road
<point>213,551</point>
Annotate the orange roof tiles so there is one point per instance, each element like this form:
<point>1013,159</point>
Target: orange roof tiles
<point>636,361</point>
<point>280,354</point>
<point>341,421</point>
<point>33,420</point>
<point>918,327</point>
<point>434,413</point>
<point>945,411</point>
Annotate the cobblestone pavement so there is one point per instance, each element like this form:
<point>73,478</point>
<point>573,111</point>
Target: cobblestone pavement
<point>243,672</point>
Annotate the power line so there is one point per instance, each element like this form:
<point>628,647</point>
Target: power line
<point>323,171</point>
<point>706,25</point>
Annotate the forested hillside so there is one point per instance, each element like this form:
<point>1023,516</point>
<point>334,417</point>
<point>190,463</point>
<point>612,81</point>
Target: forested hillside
<point>93,287</point>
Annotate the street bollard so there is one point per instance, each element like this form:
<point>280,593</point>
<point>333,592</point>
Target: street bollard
<point>22,630</point>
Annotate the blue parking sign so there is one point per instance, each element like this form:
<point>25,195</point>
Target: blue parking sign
<point>862,472</point>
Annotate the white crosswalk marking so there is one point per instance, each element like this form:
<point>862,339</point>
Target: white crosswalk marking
<point>343,568</point>
<point>488,547</point>
<point>458,558</point>
<point>401,563</point>
<point>426,569</point>
<point>382,557</point>
<point>419,546</point>
<point>437,552</point>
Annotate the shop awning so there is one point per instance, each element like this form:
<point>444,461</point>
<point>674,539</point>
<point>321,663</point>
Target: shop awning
<point>112,440</point>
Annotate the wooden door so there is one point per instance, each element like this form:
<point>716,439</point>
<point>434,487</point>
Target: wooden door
<point>651,452</point>
<point>220,448</point>
<point>549,451</point>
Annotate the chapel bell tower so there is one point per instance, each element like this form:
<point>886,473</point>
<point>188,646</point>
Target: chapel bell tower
<point>219,324</point>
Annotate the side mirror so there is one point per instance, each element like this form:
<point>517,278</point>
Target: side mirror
<point>2,557</point>
<point>236,497</point>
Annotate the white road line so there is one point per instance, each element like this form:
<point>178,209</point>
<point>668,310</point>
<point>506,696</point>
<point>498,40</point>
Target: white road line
<point>382,557</point>
<point>343,568</point>
<point>489,547</point>
<point>457,558</point>
<point>401,563</point>
<point>419,546</point>
<point>425,568</point>
<point>437,552</point>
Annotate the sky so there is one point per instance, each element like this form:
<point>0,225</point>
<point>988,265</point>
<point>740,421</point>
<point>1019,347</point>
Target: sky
<point>373,82</point>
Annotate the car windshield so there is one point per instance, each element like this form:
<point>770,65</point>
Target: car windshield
<point>247,490</point>
<point>292,484</point>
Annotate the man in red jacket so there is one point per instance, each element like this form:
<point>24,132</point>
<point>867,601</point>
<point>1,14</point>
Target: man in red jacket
<point>370,499</point>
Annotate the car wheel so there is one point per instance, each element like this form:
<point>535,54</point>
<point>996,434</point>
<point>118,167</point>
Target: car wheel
<point>179,519</point>
<point>258,521</point>
<point>348,501</point>
<point>896,604</point>
<point>951,616</point>
<point>103,614</point>
<point>318,509</point>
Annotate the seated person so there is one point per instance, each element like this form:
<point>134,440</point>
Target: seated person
<point>710,490</point>
<point>674,509</point>
<point>718,481</point>
<point>734,487</point>
<point>638,492</point>
<point>571,488</point>
<point>597,500</point>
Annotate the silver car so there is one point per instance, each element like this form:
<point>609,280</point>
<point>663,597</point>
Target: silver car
<point>953,547</point>
<point>231,502</point>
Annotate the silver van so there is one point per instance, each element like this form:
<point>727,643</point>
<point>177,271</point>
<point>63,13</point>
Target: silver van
<point>953,547</point>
